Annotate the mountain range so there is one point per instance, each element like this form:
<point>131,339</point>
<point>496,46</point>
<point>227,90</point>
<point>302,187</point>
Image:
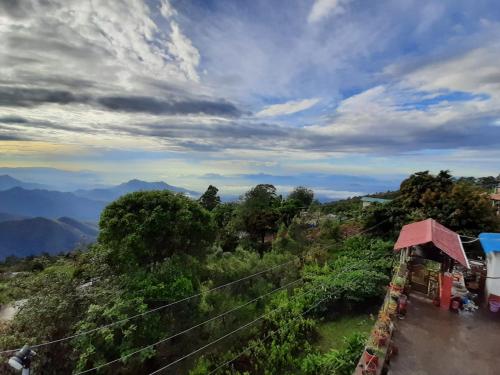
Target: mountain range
<point>36,235</point>
<point>114,192</point>
<point>8,182</point>
<point>86,205</point>
<point>34,219</point>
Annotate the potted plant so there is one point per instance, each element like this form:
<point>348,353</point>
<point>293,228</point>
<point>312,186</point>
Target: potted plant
<point>397,284</point>
<point>395,294</point>
<point>392,308</point>
<point>383,316</point>
<point>380,336</point>
<point>370,357</point>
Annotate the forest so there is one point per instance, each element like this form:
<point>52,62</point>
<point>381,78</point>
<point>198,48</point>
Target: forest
<point>264,285</point>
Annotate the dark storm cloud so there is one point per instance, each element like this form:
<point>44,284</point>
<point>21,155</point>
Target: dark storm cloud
<point>477,132</point>
<point>14,8</point>
<point>13,120</point>
<point>239,132</point>
<point>155,106</point>
<point>8,137</point>
<point>29,97</point>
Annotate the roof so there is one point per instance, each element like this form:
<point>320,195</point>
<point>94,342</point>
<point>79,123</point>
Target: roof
<point>375,200</point>
<point>495,196</point>
<point>490,242</point>
<point>430,231</point>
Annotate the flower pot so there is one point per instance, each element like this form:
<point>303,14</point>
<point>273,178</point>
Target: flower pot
<point>396,288</point>
<point>381,340</point>
<point>370,358</point>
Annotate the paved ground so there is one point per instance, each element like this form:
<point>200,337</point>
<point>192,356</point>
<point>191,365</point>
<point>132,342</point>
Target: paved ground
<point>436,342</point>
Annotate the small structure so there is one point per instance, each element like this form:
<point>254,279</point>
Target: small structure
<point>495,199</point>
<point>491,247</point>
<point>368,201</point>
<point>433,250</point>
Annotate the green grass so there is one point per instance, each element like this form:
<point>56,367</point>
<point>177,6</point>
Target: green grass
<point>332,333</point>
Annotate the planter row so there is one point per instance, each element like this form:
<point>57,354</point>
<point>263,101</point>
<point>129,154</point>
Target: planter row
<point>378,347</point>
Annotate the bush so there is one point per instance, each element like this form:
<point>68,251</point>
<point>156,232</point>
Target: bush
<point>336,362</point>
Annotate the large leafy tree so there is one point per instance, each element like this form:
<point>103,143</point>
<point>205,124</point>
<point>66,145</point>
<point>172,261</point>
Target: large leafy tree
<point>414,187</point>
<point>146,227</point>
<point>258,212</point>
<point>300,198</point>
<point>225,219</point>
<point>460,205</point>
<point>210,199</point>
<point>302,195</point>
<point>464,208</point>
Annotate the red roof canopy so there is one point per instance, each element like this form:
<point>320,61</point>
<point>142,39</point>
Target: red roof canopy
<point>430,230</point>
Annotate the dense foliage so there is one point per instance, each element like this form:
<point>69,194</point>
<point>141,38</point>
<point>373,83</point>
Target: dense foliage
<point>145,227</point>
<point>458,204</point>
<point>156,248</point>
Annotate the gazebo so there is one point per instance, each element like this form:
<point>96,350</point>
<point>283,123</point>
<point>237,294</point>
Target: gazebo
<point>429,240</point>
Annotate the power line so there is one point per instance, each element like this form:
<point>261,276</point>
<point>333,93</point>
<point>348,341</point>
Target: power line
<point>372,227</point>
<point>265,338</point>
<point>220,339</point>
<point>190,328</point>
<point>207,321</point>
<point>149,311</point>
<point>169,304</point>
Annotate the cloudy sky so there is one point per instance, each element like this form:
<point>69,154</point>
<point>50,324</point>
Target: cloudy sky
<point>236,92</point>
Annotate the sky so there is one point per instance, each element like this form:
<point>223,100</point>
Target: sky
<point>240,92</point>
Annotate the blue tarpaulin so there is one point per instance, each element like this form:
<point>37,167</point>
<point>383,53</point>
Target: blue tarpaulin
<point>490,242</point>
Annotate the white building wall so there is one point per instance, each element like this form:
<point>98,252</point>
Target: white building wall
<point>493,270</point>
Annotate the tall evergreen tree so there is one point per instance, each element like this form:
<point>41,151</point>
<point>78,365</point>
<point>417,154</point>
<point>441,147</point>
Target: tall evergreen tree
<point>210,199</point>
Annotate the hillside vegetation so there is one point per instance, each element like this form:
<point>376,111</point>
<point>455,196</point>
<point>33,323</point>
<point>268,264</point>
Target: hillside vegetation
<point>293,266</point>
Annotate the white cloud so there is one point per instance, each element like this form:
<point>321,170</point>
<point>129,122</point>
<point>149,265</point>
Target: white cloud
<point>324,8</point>
<point>166,9</point>
<point>288,108</point>
<point>184,51</point>
<point>111,45</point>
<point>475,71</point>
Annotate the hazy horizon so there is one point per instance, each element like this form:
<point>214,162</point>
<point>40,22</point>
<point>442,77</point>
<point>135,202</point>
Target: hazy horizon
<point>237,93</point>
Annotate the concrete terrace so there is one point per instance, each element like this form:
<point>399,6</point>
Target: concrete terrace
<point>432,341</point>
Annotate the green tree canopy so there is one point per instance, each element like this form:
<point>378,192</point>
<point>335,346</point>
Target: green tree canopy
<point>210,199</point>
<point>457,204</point>
<point>225,218</point>
<point>148,226</point>
<point>414,187</point>
<point>302,195</point>
<point>299,199</point>
<point>258,212</point>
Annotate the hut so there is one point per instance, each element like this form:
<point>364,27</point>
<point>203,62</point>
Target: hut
<point>431,251</point>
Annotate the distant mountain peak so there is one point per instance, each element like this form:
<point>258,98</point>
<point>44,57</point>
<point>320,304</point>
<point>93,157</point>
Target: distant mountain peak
<point>8,182</point>
<point>6,178</point>
<point>114,192</point>
<point>140,183</point>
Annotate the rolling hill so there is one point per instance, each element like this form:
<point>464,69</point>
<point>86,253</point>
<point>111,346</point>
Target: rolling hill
<point>36,235</point>
<point>10,217</point>
<point>49,204</point>
<point>37,220</point>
